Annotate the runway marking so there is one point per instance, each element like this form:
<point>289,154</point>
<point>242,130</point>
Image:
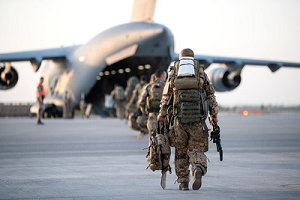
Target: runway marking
<point>71,152</point>
<point>292,185</point>
<point>282,154</point>
<point>20,189</point>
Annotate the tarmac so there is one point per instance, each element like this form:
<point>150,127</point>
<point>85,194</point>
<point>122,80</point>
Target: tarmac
<point>101,158</point>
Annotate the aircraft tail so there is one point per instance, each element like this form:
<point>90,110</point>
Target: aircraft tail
<point>143,11</point>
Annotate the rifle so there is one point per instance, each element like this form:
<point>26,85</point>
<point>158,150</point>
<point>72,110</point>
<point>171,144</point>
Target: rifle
<point>215,136</point>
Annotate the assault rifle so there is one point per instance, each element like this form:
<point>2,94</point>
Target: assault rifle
<point>215,137</point>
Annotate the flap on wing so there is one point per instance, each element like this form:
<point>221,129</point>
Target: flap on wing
<point>36,57</point>
<point>143,10</point>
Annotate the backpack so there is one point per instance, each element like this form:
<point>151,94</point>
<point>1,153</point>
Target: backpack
<point>190,104</point>
<point>131,83</point>
<point>154,96</point>
<point>119,95</point>
<point>159,151</point>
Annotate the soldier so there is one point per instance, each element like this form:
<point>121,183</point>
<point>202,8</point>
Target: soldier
<point>131,83</point>
<point>137,90</point>
<point>159,150</point>
<point>186,90</point>
<point>68,106</point>
<point>65,106</point>
<point>117,94</point>
<point>40,95</point>
<point>132,106</point>
<point>150,101</point>
<point>143,117</point>
<point>82,106</point>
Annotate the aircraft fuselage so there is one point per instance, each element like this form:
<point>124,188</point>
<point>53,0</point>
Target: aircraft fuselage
<point>111,57</point>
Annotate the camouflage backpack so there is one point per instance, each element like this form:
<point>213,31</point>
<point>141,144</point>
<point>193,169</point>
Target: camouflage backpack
<point>159,151</point>
<point>190,104</point>
<point>131,83</point>
<point>119,94</point>
<point>154,96</point>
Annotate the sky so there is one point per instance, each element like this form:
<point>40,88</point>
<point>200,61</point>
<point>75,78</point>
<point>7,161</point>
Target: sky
<point>257,29</point>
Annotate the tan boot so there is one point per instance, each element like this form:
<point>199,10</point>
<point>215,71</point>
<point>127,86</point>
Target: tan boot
<point>197,182</point>
<point>184,186</point>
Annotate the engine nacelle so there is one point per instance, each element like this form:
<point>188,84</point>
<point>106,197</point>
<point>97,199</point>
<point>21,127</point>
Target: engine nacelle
<point>223,80</point>
<point>8,79</point>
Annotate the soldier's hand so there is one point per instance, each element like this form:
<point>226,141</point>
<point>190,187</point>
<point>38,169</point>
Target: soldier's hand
<point>214,120</point>
<point>214,135</point>
<point>160,118</point>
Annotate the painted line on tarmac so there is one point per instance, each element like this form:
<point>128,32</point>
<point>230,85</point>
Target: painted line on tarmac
<point>283,154</point>
<point>293,186</point>
<point>8,183</point>
<point>71,152</point>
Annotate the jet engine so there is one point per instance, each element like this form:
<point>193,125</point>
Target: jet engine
<point>8,77</point>
<point>223,80</point>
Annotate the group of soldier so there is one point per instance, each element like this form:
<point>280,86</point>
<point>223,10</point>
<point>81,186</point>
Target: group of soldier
<point>173,110</point>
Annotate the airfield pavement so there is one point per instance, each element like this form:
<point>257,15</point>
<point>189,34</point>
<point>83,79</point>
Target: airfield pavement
<point>100,158</point>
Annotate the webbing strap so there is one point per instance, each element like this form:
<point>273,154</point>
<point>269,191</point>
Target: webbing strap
<point>205,128</point>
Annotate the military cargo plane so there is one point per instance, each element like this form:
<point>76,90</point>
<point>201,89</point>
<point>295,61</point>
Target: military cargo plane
<point>135,48</point>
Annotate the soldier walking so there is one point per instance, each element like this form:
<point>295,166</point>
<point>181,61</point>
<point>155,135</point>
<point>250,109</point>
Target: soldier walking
<point>187,91</point>
<point>117,94</point>
<point>159,150</point>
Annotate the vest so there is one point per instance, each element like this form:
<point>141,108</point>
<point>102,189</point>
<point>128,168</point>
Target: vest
<point>40,91</point>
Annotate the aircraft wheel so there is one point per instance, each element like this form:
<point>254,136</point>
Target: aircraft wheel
<point>48,113</point>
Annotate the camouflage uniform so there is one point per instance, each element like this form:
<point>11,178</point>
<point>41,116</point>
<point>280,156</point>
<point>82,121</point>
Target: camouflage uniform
<point>152,116</point>
<point>137,92</point>
<point>119,103</point>
<point>131,83</point>
<point>190,141</point>
<point>141,117</point>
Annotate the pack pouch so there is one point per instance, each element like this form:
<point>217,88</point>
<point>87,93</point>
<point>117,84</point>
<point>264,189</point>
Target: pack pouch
<point>188,74</point>
<point>189,106</point>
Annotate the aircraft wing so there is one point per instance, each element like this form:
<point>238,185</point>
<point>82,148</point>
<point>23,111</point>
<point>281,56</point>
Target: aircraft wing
<point>36,57</point>
<point>234,64</point>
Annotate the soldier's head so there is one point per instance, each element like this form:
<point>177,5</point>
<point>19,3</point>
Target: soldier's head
<point>42,79</point>
<point>160,74</point>
<point>186,53</point>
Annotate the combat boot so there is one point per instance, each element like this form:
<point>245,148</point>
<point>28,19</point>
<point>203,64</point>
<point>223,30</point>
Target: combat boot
<point>184,186</point>
<point>197,182</point>
<point>40,122</point>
